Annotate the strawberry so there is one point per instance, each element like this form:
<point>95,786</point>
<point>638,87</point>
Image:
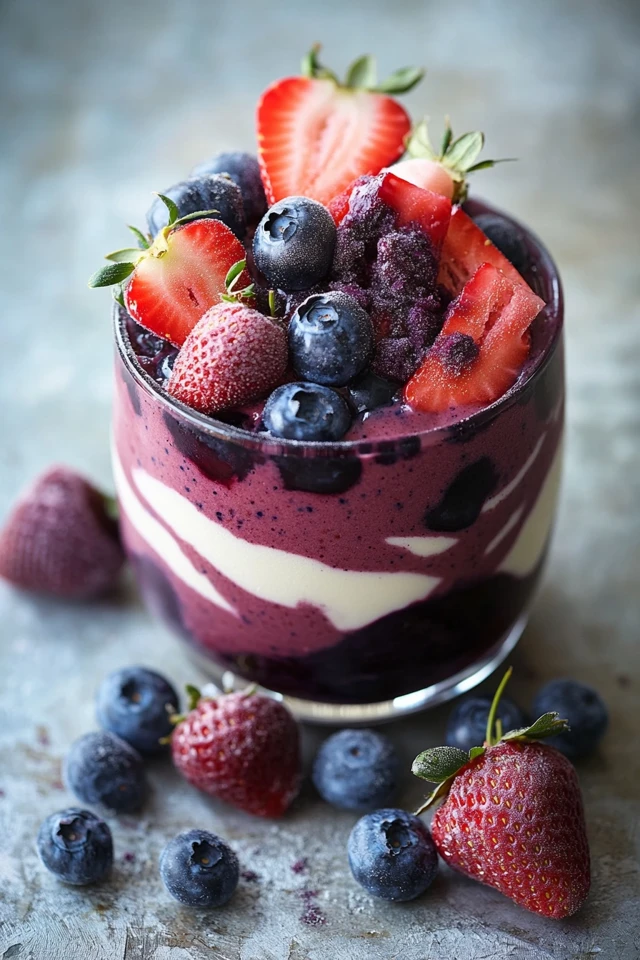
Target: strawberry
<point>512,817</point>
<point>242,748</point>
<point>431,211</point>
<point>61,539</point>
<point>465,248</point>
<point>233,355</point>
<point>316,135</point>
<point>445,172</point>
<point>173,281</point>
<point>482,347</point>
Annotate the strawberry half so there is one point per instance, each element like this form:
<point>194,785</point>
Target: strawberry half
<point>173,281</point>
<point>316,135</point>
<point>482,346</point>
<point>465,248</point>
<point>512,816</point>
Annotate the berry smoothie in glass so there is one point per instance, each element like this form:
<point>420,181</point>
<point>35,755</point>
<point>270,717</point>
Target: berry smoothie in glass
<point>339,407</point>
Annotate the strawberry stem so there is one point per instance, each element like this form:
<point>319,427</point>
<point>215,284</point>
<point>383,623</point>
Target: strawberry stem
<point>492,735</point>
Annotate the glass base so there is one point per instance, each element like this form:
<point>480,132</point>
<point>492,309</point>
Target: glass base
<point>352,714</point>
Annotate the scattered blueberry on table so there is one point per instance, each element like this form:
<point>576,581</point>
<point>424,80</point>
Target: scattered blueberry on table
<point>467,722</point>
<point>100,768</point>
<point>356,770</point>
<point>136,704</point>
<point>392,855</point>
<point>76,846</point>
<point>583,708</point>
<point>199,869</point>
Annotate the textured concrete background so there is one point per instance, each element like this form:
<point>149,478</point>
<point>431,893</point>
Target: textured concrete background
<point>101,103</point>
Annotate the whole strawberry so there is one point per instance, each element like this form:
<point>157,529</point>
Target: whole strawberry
<point>513,816</point>
<point>61,539</point>
<point>242,748</point>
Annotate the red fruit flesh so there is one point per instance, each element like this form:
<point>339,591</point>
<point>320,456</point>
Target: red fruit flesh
<point>243,749</point>
<point>465,248</point>
<point>496,313</point>
<point>169,293</point>
<point>59,540</point>
<point>233,355</point>
<point>314,137</point>
<point>412,204</point>
<point>514,820</point>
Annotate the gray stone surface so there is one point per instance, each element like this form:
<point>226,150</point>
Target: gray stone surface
<point>99,104</point>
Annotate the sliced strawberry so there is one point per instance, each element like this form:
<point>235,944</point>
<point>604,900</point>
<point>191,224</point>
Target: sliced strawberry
<point>465,249</point>
<point>482,347</point>
<point>315,137</point>
<point>178,281</point>
<point>412,204</point>
<point>338,206</point>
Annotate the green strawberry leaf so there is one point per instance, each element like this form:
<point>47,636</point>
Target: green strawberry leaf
<point>193,696</point>
<point>233,274</point>
<point>126,255</point>
<point>198,215</point>
<point>419,144</point>
<point>311,66</point>
<point>446,136</point>
<point>476,752</point>
<point>487,164</point>
<point>272,303</point>
<point>463,152</point>
<point>440,791</point>
<point>118,295</point>
<point>548,725</point>
<point>401,81</point>
<point>174,213</point>
<point>439,763</point>
<point>112,273</point>
<point>143,241</point>
<point>362,74</point>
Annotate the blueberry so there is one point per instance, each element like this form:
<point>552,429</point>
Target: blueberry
<point>370,391</point>
<point>319,474</point>
<point>356,770</point>
<point>165,364</point>
<point>467,724</point>
<point>135,704</point>
<point>76,846</point>
<point>508,238</point>
<point>464,498</point>
<point>100,768</point>
<point>330,339</point>
<point>216,192</point>
<point>294,242</point>
<point>392,855</point>
<point>244,169</point>
<point>199,869</point>
<point>582,706</point>
<point>306,411</point>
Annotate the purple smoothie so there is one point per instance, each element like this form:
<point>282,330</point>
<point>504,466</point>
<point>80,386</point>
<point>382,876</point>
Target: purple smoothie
<point>424,536</point>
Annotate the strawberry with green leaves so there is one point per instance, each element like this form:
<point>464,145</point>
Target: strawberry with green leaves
<point>167,284</point>
<point>512,815</point>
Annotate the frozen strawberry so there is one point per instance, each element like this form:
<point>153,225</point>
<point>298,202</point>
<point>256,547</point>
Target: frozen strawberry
<point>482,347</point>
<point>242,748</point>
<point>316,135</point>
<point>445,172</point>
<point>412,204</point>
<point>173,281</point>
<point>465,249</point>
<point>61,538</point>
<point>512,816</point>
<point>233,355</point>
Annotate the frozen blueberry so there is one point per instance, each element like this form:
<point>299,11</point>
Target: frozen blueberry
<point>464,498</point>
<point>76,846</point>
<point>319,474</point>
<point>396,359</point>
<point>457,352</point>
<point>100,768</point>
<point>508,238</point>
<point>217,192</point>
<point>330,339</point>
<point>406,267</point>
<point>294,242</point>
<point>306,411</point>
<point>369,391</point>
<point>356,770</point>
<point>244,169</point>
<point>135,704</point>
<point>467,724</point>
<point>392,855</point>
<point>199,869</point>
<point>582,706</point>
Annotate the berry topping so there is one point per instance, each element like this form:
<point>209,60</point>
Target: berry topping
<point>330,339</point>
<point>136,704</point>
<point>199,869</point>
<point>507,236</point>
<point>233,355</point>
<point>467,722</point>
<point>369,391</point>
<point>395,359</point>
<point>61,538</point>
<point>244,169</point>
<point>465,249</point>
<point>405,269</point>
<point>306,411</point>
<point>356,770</point>
<point>316,135</point>
<point>496,314</point>
<point>219,196</point>
<point>293,244</point>
<point>512,815</point>
<point>76,846</point>
<point>242,748</point>
<point>100,768</point>
<point>585,711</point>
<point>392,855</point>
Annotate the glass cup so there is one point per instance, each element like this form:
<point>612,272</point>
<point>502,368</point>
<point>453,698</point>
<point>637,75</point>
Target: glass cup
<point>357,580</point>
